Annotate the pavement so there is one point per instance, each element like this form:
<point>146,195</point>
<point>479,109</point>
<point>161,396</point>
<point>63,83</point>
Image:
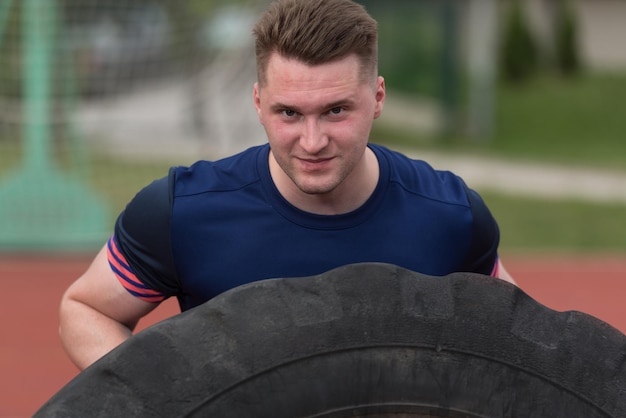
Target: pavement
<point>532,179</point>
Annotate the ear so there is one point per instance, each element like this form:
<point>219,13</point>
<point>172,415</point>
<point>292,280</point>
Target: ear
<point>380,95</point>
<point>257,99</point>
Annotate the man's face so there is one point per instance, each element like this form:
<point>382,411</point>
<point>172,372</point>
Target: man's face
<point>318,120</point>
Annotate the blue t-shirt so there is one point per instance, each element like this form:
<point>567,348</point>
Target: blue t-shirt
<point>210,227</point>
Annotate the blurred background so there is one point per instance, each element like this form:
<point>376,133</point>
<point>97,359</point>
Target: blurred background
<point>522,98</point>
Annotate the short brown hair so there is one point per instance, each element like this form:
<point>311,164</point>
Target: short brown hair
<point>316,32</point>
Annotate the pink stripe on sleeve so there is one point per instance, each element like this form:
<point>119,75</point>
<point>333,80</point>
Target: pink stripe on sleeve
<point>127,277</point>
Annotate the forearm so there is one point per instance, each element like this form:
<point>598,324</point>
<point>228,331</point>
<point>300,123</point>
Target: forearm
<point>87,334</point>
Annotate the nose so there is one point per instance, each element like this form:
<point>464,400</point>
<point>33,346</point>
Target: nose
<point>313,139</point>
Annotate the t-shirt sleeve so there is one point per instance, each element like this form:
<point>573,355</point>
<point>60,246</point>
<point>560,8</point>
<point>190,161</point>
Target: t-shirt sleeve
<point>140,251</point>
<point>482,256</point>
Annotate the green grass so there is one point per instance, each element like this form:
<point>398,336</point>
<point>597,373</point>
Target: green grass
<point>579,121</point>
<point>582,121</point>
<point>563,225</point>
<point>118,181</point>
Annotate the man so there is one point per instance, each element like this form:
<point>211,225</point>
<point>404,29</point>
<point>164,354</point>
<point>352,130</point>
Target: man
<point>316,197</point>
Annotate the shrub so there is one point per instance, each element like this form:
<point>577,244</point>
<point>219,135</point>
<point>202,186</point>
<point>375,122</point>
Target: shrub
<point>519,54</point>
<point>566,40</point>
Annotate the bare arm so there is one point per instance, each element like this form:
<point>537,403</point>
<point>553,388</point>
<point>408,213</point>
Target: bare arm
<point>97,313</point>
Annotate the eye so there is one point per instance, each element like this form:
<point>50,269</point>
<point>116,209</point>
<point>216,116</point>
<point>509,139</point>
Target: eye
<point>289,113</point>
<point>336,110</point>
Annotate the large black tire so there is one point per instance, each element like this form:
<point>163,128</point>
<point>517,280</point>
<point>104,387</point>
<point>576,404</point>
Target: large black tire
<point>361,340</point>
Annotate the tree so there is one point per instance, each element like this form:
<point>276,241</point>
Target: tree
<point>519,55</point>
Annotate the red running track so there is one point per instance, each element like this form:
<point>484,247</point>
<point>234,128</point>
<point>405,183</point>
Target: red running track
<point>33,366</point>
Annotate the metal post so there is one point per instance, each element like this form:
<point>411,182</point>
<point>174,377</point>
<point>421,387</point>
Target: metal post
<point>449,67</point>
<point>38,35</point>
<point>482,52</point>
<point>5,8</point>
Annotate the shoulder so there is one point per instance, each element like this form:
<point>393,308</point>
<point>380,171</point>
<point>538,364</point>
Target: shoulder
<point>229,173</point>
<point>420,178</point>
<point>153,204</point>
<point>224,174</point>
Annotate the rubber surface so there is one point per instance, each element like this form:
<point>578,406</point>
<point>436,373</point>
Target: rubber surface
<point>361,340</point>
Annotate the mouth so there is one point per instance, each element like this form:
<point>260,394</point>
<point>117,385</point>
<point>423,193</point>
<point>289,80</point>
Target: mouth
<point>314,164</point>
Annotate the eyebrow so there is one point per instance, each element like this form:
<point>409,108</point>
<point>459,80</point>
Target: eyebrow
<point>339,103</point>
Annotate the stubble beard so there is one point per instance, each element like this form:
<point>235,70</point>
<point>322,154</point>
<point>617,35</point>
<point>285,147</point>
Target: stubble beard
<point>316,184</point>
